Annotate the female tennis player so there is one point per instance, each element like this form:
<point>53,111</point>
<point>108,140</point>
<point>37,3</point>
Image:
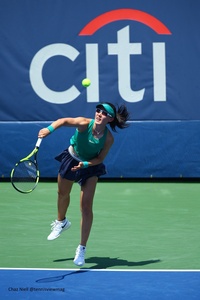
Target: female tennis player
<point>82,162</point>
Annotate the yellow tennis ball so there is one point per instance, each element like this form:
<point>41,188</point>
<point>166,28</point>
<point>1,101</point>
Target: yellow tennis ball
<point>86,82</point>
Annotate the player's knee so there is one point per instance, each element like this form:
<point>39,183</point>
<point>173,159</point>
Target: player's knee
<point>63,195</point>
<point>86,209</point>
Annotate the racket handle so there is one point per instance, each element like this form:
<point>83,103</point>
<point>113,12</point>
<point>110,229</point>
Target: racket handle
<point>39,141</point>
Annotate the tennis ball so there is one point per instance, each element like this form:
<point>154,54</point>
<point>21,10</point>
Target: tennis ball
<point>86,82</point>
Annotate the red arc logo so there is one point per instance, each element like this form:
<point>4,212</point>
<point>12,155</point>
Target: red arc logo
<point>124,14</point>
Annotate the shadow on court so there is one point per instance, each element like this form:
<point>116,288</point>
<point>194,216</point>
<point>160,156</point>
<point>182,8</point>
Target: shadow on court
<point>107,262</point>
<point>60,277</point>
<point>101,263</point>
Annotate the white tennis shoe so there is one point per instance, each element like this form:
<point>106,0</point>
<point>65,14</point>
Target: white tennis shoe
<point>79,258</point>
<point>57,227</point>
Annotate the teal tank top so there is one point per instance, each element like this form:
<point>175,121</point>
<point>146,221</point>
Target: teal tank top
<point>85,144</point>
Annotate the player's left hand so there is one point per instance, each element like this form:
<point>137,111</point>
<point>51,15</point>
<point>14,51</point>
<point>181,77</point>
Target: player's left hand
<point>78,167</point>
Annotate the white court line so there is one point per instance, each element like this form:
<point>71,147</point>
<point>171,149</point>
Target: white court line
<point>102,270</point>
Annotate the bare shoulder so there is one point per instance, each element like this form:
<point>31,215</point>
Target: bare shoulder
<point>82,123</point>
<point>76,122</point>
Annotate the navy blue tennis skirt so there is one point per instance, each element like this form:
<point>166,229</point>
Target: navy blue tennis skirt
<point>80,176</point>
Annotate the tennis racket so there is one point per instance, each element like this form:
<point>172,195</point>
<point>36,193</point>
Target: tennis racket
<point>25,174</point>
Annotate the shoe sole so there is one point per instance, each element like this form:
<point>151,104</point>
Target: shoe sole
<point>79,265</point>
<point>65,228</point>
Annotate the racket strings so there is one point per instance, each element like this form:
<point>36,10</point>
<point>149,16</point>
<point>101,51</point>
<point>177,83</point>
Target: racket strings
<point>25,176</point>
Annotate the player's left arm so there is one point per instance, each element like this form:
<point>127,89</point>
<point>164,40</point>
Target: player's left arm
<point>103,153</point>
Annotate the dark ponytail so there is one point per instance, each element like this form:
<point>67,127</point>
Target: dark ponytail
<point>121,117</point>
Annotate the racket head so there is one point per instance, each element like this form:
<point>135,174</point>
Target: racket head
<point>25,176</point>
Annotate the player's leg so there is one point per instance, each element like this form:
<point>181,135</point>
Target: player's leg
<point>64,190</point>
<point>86,204</point>
<point>61,224</point>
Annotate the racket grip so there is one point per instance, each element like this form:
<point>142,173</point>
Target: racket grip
<point>39,141</point>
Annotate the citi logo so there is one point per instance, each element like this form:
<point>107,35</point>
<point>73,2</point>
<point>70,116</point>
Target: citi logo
<point>123,49</point>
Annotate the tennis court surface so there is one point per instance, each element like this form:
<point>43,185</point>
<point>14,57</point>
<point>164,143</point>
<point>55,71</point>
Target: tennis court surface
<point>144,243</point>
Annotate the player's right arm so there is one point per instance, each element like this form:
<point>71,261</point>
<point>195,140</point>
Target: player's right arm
<point>79,122</point>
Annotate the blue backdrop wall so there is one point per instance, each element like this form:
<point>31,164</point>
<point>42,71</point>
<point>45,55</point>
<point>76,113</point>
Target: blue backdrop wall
<point>144,54</point>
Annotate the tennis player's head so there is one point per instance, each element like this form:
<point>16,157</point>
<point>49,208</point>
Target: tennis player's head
<point>117,117</point>
<point>107,109</point>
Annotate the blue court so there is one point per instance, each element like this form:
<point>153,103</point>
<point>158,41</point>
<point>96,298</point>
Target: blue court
<point>21,284</point>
